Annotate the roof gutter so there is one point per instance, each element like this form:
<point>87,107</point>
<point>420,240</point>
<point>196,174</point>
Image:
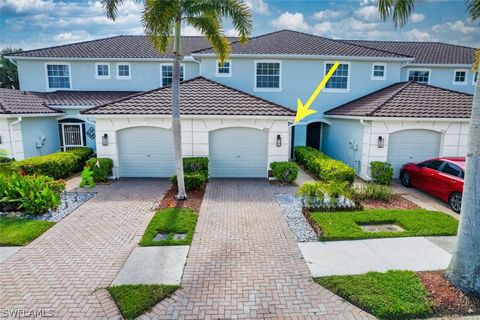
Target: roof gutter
<point>398,118</point>
<point>19,119</point>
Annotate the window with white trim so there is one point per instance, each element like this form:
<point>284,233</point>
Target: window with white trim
<point>167,74</point>
<point>379,71</point>
<point>460,77</point>
<point>267,75</point>
<point>339,79</point>
<point>420,76</point>
<point>224,70</point>
<point>58,76</point>
<point>102,71</point>
<point>123,71</point>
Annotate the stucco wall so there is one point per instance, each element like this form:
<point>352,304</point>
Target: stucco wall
<point>453,138</point>
<point>145,75</point>
<point>194,134</point>
<point>32,131</point>
<point>443,77</point>
<point>343,140</point>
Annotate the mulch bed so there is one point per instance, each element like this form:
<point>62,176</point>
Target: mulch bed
<point>194,200</point>
<point>397,202</point>
<point>446,299</point>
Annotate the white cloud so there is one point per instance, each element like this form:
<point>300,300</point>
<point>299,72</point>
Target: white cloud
<point>323,28</point>
<point>292,21</point>
<point>21,6</point>
<point>457,26</point>
<point>329,14</point>
<point>417,17</point>
<point>258,7</point>
<point>368,13</point>
<point>190,31</point>
<point>231,33</point>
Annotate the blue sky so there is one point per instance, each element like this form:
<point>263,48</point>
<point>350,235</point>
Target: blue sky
<point>40,23</point>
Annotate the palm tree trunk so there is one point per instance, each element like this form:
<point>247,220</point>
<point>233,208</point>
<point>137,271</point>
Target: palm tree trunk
<point>176,126</point>
<point>464,268</point>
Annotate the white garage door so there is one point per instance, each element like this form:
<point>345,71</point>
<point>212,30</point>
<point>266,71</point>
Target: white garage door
<point>146,152</point>
<point>412,146</point>
<point>238,153</point>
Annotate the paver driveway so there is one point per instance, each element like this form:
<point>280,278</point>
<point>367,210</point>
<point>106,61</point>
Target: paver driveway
<point>61,271</point>
<point>244,263</point>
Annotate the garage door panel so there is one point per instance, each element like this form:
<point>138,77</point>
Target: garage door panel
<point>146,152</point>
<point>238,153</point>
<point>412,146</point>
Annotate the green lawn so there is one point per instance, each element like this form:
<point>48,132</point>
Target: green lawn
<point>171,221</point>
<point>19,232</point>
<point>345,225</point>
<point>390,295</point>
<point>135,300</point>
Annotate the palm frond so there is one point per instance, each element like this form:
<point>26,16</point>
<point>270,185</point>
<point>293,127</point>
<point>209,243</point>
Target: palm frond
<point>236,10</point>
<point>111,8</point>
<point>158,19</point>
<point>473,7</point>
<point>210,26</point>
<point>399,10</point>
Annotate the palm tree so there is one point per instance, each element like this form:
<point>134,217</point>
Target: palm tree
<point>464,268</point>
<point>162,21</point>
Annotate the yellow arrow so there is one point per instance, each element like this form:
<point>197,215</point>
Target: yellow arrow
<point>303,109</point>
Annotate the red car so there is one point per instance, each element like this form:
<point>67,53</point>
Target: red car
<point>441,177</point>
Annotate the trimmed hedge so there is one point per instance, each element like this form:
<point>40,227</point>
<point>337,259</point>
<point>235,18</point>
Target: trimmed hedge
<point>101,167</point>
<point>324,167</point>
<point>382,172</point>
<point>284,172</point>
<point>195,173</point>
<point>6,160</point>
<point>84,153</point>
<point>56,165</point>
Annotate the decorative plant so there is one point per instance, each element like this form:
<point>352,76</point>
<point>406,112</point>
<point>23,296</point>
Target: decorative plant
<point>382,172</point>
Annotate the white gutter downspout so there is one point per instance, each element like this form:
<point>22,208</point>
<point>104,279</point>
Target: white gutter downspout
<point>19,119</point>
<point>362,121</point>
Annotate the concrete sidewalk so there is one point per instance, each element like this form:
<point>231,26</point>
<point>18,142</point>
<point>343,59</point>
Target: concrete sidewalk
<point>326,258</point>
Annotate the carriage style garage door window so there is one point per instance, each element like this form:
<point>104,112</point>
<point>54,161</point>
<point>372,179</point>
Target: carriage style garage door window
<point>238,153</point>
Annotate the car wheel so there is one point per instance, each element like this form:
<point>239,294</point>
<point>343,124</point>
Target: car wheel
<point>455,201</point>
<point>406,179</point>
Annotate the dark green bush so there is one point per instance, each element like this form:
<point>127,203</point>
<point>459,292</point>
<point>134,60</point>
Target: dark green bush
<point>285,172</point>
<point>6,160</point>
<point>101,167</point>
<point>193,181</point>
<point>382,172</point>
<point>56,165</point>
<point>324,167</point>
<point>33,194</point>
<point>84,153</point>
<point>195,164</point>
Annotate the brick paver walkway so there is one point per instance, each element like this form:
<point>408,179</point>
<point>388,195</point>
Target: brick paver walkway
<point>61,271</point>
<point>245,264</point>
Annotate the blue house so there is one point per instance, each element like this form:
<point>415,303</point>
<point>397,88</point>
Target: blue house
<point>105,95</point>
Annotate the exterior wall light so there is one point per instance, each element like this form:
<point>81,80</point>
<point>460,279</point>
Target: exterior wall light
<point>105,139</point>
<point>380,142</point>
<point>279,140</point>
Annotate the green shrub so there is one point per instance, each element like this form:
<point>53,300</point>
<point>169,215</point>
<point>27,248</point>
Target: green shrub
<point>31,194</point>
<point>6,160</point>
<point>101,167</point>
<point>324,167</point>
<point>195,164</point>
<point>312,189</point>
<point>373,191</point>
<point>382,172</point>
<point>84,153</point>
<point>56,165</point>
<point>193,181</point>
<point>285,172</point>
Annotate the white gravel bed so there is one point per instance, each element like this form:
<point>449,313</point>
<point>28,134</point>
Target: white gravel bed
<point>292,210</point>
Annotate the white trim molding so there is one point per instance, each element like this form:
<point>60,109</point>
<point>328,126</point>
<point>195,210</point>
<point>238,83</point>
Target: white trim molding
<point>224,75</point>
<point>50,63</point>
<point>102,77</point>
<point>460,83</point>
<point>384,65</point>
<point>255,88</point>
<point>338,90</point>
<point>119,77</point>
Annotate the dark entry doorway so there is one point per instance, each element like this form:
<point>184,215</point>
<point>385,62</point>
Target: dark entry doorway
<point>314,135</point>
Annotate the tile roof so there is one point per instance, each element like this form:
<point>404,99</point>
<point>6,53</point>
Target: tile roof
<point>120,47</point>
<point>199,96</point>
<point>82,98</point>
<point>409,100</point>
<point>299,43</point>
<point>424,52</point>
<point>22,102</point>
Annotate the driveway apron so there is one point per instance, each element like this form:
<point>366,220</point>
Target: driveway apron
<point>244,263</point>
<point>61,274</point>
